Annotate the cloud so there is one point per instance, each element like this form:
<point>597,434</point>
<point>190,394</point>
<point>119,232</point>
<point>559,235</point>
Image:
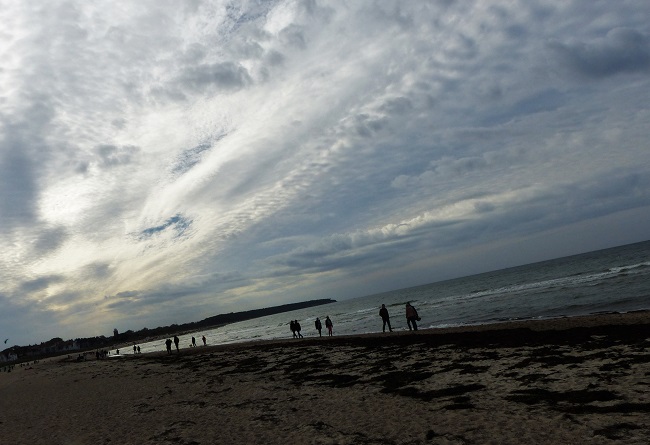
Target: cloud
<point>18,188</point>
<point>111,156</point>
<point>621,50</point>
<point>49,240</point>
<point>40,283</point>
<point>225,76</point>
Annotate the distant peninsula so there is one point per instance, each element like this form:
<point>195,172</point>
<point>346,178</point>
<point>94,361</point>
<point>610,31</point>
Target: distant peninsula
<point>234,317</point>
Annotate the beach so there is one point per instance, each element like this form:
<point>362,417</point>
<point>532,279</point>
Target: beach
<point>578,380</point>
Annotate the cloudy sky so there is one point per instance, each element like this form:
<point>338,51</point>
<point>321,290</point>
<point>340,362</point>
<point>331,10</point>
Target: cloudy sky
<point>164,161</point>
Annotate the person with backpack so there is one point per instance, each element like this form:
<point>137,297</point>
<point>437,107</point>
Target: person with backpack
<point>412,317</point>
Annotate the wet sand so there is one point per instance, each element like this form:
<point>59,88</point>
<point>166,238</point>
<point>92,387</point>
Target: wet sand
<point>582,380</point>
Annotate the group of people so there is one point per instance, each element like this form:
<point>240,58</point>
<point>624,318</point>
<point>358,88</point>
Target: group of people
<point>295,329</point>
<point>168,343</point>
<point>100,355</point>
<point>328,324</point>
<point>294,325</point>
<point>412,318</point>
<point>176,342</point>
<point>193,344</point>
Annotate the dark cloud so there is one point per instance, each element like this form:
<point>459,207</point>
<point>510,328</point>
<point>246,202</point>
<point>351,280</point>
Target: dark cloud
<point>18,187</point>
<point>274,58</point>
<point>366,125</point>
<point>248,50</point>
<point>539,102</point>
<point>119,123</point>
<point>294,35</point>
<point>50,239</point>
<point>112,156</point>
<point>194,53</point>
<point>40,283</point>
<point>168,293</point>
<point>396,105</point>
<point>622,50</point>
<point>98,270</point>
<point>226,76</point>
<point>128,294</point>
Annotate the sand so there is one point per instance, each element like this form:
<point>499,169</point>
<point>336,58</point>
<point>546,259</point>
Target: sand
<point>570,381</point>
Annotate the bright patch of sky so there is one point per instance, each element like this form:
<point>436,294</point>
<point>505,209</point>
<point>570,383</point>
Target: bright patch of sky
<point>162,162</point>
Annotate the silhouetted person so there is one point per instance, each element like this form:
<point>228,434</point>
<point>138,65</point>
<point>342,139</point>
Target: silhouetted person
<point>204,341</point>
<point>383,313</point>
<point>176,342</point>
<point>292,326</point>
<point>168,343</point>
<point>411,317</point>
<point>298,328</point>
<point>138,349</point>
<point>329,325</point>
<point>319,326</point>
<point>193,342</point>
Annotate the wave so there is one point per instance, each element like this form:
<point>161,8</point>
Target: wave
<point>617,269</point>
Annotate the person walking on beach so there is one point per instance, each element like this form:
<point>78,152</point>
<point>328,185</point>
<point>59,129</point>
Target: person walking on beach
<point>204,340</point>
<point>411,317</point>
<point>319,326</point>
<point>176,342</point>
<point>383,313</point>
<point>329,325</point>
<point>168,343</point>
<point>298,328</point>
<point>292,326</point>
<point>193,342</point>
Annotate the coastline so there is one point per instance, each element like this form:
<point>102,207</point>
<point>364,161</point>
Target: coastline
<point>578,379</point>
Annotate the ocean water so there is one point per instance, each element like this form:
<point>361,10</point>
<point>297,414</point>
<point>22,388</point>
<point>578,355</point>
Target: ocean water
<point>610,280</point>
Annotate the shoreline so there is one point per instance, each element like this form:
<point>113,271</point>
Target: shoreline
<point>571,380</point>
<point>599,322</point>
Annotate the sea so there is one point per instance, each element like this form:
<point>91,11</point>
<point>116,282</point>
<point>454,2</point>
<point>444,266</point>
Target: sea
<point>604,281</point>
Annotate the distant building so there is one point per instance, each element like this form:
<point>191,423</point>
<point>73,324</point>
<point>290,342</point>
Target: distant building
<point>52,347</point>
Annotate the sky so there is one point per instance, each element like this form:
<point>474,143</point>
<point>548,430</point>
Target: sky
<point>162,162</point>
